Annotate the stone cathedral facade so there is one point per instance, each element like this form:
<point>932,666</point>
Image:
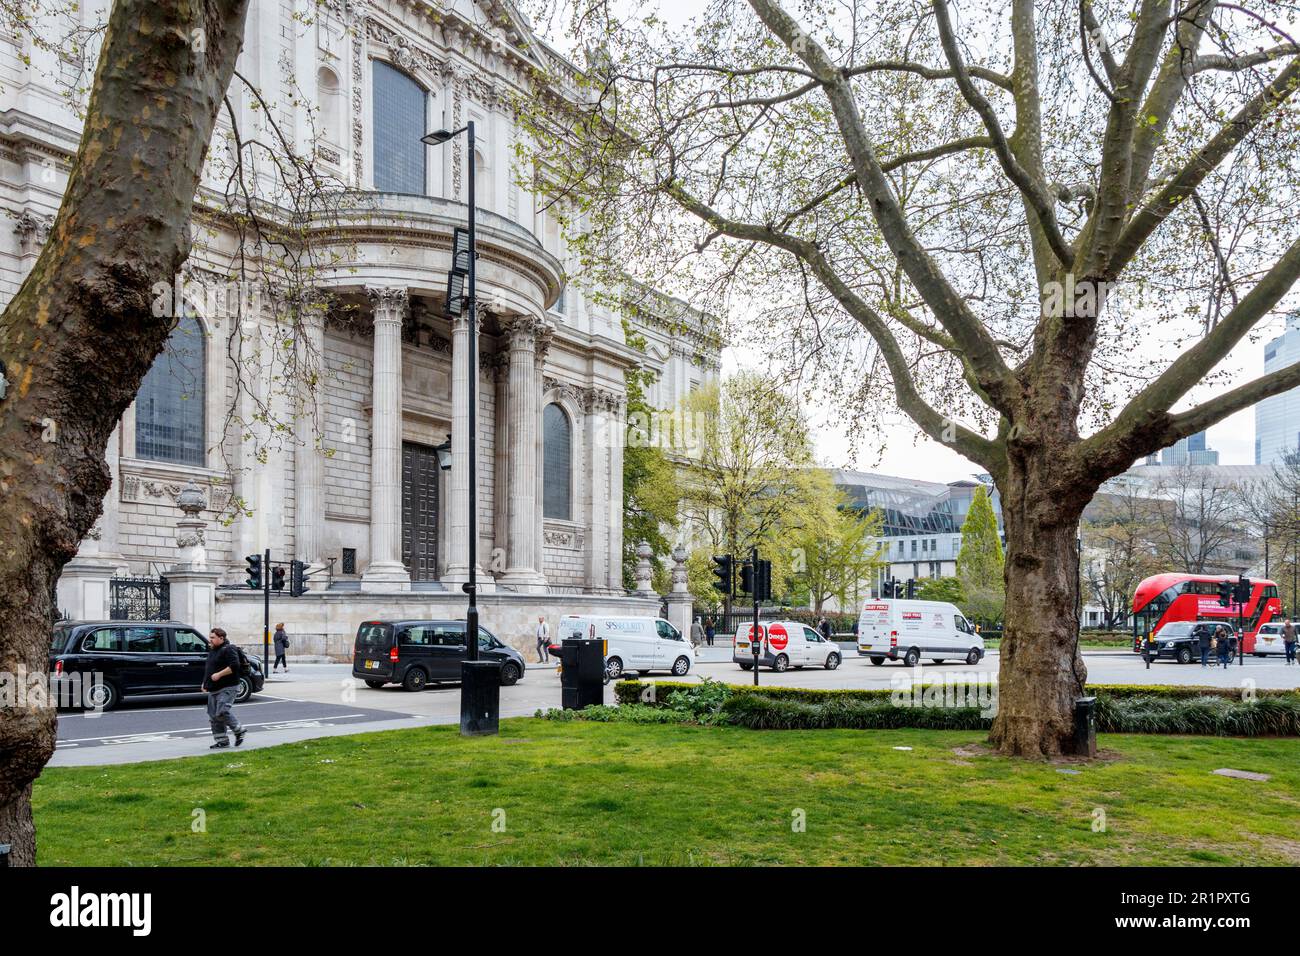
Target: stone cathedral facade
<point>354,487</point>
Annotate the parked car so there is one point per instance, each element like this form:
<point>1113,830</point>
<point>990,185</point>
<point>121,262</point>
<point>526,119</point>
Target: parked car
<point>1181,641</point>
<point>641,644</point>
<point>1269,640</point>
<point>101,663</point>
<point>891,629</point>
<point>785,644</point>
<point>418,653</point>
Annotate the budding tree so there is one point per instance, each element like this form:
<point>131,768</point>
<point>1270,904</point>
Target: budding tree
<point>973,212</point>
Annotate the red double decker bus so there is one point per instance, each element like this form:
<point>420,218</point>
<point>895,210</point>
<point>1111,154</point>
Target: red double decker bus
<point>1162,598</point>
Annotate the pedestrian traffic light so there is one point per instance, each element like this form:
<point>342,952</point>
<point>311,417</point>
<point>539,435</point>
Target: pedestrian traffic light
<point>254,562</point>
<point>746,578</point>
<point>763,580</point>
<point>1241,593</point>
<point>723,570</point>
<point>911,588</point>
<point>1225,593</point>
<point>277,578</point>
<point>297,578</point>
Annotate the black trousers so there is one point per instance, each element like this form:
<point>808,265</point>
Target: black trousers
<point>280,661</point>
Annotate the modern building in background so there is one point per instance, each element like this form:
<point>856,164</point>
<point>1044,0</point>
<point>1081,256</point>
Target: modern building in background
<point>922,520</point>
<point>1277,418</point>
<point>353,486</point>
<point>1191,450</point>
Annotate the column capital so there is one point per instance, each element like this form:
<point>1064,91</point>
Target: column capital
<point>390,302</point>
<point>523,331</point>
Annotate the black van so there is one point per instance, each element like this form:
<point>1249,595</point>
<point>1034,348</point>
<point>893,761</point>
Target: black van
<point>417,653</point>
<point>98,663</point>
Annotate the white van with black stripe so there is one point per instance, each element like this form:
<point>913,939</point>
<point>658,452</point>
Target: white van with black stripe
<point>897,630</point>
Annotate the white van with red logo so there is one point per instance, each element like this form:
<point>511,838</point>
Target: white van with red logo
<point>890,629</point>
<point>785,644</point>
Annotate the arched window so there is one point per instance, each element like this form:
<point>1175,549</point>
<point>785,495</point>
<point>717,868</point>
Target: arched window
<point>170,406</point>
<point>399,122</point>
<point>557,463</point>
<point>327,87</point>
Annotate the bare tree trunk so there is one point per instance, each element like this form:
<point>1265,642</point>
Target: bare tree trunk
<point>1040,671</point>
<point>80,334</point>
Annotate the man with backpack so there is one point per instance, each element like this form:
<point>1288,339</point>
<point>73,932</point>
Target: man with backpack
<point>221,684</point>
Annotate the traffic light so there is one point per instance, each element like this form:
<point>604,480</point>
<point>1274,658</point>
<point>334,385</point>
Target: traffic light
<point>254,562</point>
<point>1241,593</point>
<point>763,580</point>
<point>746,578</point>
<point>1225,593</point>
<point>297,575</point>
<point>277,578</point>
<point>723,570</point>
<point>911,588</point>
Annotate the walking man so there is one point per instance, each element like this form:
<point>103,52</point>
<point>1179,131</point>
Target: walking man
<point>221,684</point>
<point>1288,640</point>
<point>1203,639</point>
<point>543,635</point>
<point>697,633</point>
<point>281,645</point>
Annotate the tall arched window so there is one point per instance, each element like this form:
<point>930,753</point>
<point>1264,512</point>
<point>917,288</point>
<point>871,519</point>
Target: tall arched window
<point>399,122</point>
<point>557,463</point>
<point>170,406</point>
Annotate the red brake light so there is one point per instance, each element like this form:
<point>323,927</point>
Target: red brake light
<point>893,638</point>
<point>392,655</point>
<point>58,667</point>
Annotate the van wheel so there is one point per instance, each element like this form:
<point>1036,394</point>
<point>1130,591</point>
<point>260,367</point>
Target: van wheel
<point>614,668</point>
<point>245,690</point>
<point>415,679</point>
<point>102,696</point>
<point>374,684</point>
<point>1184,655</point>
<point>973,657</point>
<point>912,657</point>
<point>781,664</point>
<point>681,666</point>
<point>509,675</point>
<point>939,660</point>
<point>746,667</point>
<point>877,661</point>
<point>832,661</point>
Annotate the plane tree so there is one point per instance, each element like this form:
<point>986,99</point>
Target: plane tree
<point>1037,229</point>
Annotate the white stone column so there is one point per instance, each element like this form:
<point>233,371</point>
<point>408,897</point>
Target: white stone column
<point>386,571</point>
<point>680,602</point>
<point>618,435</point>
<point>524,387</point>
<point>544,333</point>
<point>458,554</point>
<point>599,489</point>
<point>309,461</point>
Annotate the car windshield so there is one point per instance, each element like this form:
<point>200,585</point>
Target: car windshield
<point>1176,629</point>
<point>58,639</point>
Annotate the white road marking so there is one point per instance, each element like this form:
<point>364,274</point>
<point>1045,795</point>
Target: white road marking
<point>163,735</point>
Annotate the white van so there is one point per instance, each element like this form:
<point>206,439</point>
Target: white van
<point>785,644</point>
<point>909,630</point>
<point>641,644</point>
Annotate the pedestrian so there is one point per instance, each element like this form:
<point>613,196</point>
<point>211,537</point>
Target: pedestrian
<point>1288,640</point>
<point>709,630</point>
<point>543,635</point>
<point>1221,642</point>
<point>281,645</point>
<point>825,627</point>
<point>697,633</point>
<point>221,684</point>
<point>1203,638</point>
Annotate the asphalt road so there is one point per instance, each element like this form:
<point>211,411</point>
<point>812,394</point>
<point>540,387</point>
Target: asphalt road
<point>322,700</point>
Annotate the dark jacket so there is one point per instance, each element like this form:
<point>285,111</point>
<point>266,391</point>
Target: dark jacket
<point>1203,637</point>
<point>825,628</point>
<point>218,659</point>
<point>281,640</point>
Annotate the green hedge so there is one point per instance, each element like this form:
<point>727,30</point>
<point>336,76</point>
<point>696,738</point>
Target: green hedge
<point>629,692</point>
<point>1121,708</point>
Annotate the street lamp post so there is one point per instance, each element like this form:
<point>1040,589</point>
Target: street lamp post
<point>480,680</point>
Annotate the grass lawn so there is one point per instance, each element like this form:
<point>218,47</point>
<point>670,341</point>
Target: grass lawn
<point>586,793</point>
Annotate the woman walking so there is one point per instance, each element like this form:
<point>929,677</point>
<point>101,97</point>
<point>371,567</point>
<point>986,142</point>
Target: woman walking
<point>281,645</point>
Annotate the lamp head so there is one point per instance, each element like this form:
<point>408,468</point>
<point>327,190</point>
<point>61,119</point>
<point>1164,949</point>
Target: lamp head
<point>437,137</point>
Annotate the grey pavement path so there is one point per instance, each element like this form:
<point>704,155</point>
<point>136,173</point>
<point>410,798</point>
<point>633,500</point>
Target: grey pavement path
<point>324,700</point>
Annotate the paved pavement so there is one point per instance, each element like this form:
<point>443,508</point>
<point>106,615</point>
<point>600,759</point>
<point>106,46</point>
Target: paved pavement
<point>324,700</point>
